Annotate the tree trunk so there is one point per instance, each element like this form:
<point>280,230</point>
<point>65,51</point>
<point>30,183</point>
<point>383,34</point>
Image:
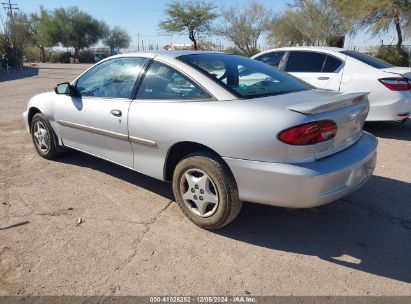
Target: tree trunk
<point>193,39</point>
<point>399,35</point>
<point>42,54</point>
<point>76,53</point>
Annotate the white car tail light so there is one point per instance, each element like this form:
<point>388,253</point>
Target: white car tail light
<point>396,84</point>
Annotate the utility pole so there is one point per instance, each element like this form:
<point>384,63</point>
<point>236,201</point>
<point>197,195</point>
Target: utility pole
<point>9,26</point>
<point>138,41</point>
<point>9,8</point>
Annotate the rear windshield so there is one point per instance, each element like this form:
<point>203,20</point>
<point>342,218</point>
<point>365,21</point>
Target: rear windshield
<point>372,61</point>
<point>244,77</point>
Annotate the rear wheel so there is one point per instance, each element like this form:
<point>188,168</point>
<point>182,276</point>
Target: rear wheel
<point>44,138</point>
<point>206,191</point>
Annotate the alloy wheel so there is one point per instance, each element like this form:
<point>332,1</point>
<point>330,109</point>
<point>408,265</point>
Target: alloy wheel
<point>41,137</point>
<point>199,192</point>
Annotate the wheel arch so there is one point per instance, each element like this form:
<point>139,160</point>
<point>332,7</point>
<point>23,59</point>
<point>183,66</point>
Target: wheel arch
<point>32,111</point>
<point>180,150</point>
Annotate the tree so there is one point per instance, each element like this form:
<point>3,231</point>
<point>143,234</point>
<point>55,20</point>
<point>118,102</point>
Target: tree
<point>42,32</point>
<point>193,18</point>
<point>308,22</point>
<point>117,38</point>
<point>76,29</point>
<point>244,26</point>
<point>379,16</point>
<point>389,54</point>
<point>3,49</point>
<point>287,30</point>
<point>15,37</point>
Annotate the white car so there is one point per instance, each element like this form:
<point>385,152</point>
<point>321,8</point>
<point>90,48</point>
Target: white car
<point>349,71</point>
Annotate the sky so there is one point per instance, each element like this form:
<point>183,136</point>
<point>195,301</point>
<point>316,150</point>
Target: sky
<point>141,17</point>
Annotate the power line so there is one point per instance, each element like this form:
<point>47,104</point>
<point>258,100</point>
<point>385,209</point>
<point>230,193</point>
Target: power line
<point>9,8</point>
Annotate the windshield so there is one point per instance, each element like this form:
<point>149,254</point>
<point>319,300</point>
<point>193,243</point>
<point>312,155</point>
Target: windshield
<point>244,77</point>
<point>372,61</point>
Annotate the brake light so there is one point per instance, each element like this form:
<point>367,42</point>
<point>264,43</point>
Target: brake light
<point>396,84</point>
<point>358,99</point>
<point>309,133</point>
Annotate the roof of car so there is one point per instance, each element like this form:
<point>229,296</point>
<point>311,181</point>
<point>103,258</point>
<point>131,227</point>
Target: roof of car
<point>305,48</point>
<point>171,54</point>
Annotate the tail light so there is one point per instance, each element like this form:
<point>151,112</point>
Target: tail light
<point>396,84</point>
<point>309,133</point>
<point>359,99</point>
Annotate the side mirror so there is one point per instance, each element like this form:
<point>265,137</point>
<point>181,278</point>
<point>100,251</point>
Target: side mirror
<point>64,88</point>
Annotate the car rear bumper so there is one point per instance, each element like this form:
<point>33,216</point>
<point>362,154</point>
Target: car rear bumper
<point>305,185</point>
<point>390,109</point>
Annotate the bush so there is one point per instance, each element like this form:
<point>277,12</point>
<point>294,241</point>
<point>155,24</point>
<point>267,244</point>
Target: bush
<point>3,61</point>
<point>233,51</point>
<point>65,57</point>
<point>32,54</point>
<point>56,57</point>
<point>86,56</point>
<point>391,55</point>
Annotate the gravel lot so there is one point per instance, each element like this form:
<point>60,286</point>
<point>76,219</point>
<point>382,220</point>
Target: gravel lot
<point>135,241</point>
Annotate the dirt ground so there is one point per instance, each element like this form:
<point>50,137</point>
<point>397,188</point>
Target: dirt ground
<point>135,241</point>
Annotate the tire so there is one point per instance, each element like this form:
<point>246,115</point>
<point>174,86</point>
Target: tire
<point>206,191</point>
<point>44,139</point>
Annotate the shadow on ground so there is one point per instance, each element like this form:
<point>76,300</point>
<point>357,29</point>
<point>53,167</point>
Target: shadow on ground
<point>368,231</point>
<point>393,130</point>
<point>19,74</point>
<point>357,232</point>
<point>83,160</point>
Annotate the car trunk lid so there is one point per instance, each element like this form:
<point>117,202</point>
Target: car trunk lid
<point>348,111</point>
<point>402,71</point>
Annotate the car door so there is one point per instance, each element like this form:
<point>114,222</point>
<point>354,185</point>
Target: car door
<point>318,69</point>
<point>165,94</point>
<point>95,121</point>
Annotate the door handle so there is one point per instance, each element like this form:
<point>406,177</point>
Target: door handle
<point>323,78</point>
<point>116,113</point>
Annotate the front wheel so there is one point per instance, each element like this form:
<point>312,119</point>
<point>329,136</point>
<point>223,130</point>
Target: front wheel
<point>206,191</point>
<point>44,138</point>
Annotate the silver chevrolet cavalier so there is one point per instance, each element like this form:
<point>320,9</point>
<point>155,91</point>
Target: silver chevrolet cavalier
<point>222,128</point>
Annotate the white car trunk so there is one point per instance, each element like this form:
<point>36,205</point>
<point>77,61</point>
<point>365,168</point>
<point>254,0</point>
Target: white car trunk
<point>403,71</point>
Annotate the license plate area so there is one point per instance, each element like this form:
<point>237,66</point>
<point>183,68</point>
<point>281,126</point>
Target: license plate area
<point>361,173</point>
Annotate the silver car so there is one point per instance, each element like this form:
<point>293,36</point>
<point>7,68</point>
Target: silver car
<point>222,128</point>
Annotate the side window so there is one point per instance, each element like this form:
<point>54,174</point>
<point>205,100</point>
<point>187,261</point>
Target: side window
<point>163,82</point>
<point>114,78</point>
<point>305,62</point>
<point>331,64</point>
<point>273,58</point>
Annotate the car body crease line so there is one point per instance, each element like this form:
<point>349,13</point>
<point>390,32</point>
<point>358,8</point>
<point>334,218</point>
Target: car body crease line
<point>107,133</point>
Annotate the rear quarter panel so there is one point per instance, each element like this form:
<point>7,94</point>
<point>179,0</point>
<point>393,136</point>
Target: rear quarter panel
<point>237,129</point>
<point>360,77</point>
